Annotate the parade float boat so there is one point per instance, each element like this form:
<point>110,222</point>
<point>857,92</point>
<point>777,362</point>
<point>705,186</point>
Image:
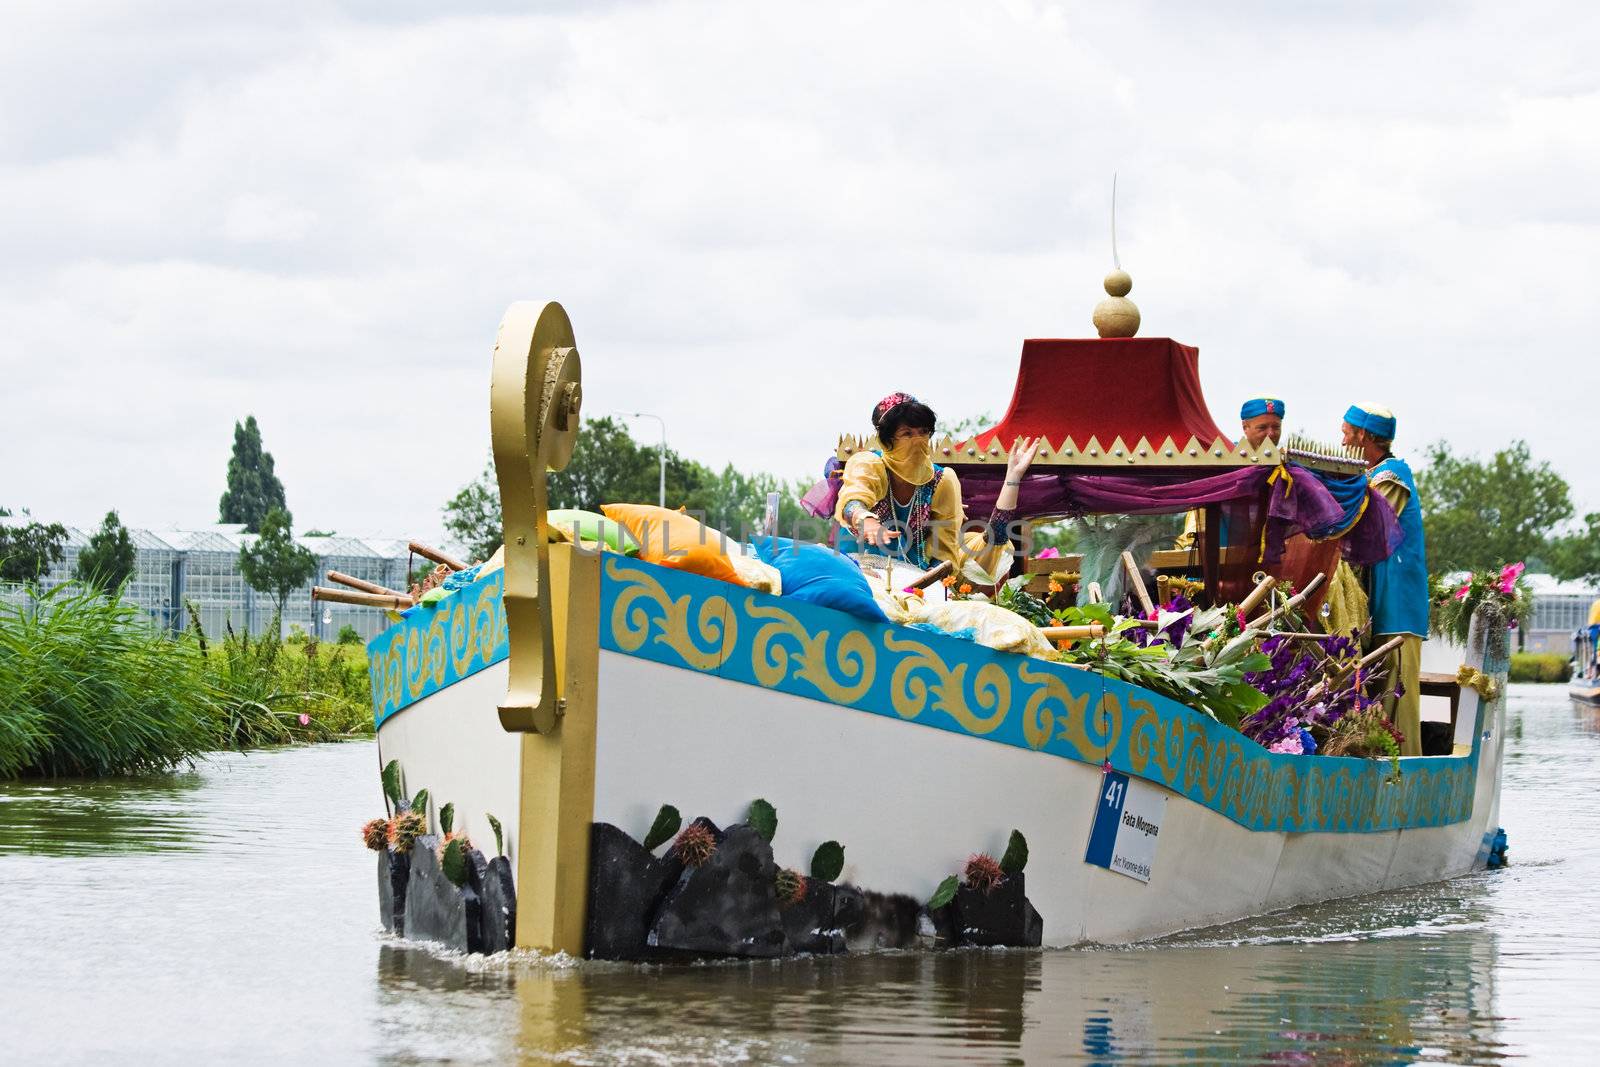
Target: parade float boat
<point>568,692</point>
<point>1585,687</point>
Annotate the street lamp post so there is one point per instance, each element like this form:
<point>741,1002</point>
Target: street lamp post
<point>662,493</point>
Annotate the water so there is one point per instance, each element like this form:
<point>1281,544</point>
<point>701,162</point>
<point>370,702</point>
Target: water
<point>230,914</point>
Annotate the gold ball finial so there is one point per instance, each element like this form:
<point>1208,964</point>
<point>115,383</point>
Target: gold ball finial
<point>1116,315</point>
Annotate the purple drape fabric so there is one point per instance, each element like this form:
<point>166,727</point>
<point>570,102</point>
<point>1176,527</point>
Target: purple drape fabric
<point>1296,503</point>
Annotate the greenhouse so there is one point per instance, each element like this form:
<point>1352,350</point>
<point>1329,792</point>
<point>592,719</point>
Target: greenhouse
<point>201,567</point>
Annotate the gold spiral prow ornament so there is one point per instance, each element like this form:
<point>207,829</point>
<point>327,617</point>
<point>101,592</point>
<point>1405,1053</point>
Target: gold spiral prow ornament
<point>534,403</point>
<point>1116,315</point>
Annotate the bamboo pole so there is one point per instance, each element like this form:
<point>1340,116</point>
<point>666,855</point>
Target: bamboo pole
<point>1095,595</point>
<point>1253,599</point>
<point>428,552</point>
<point>1073,633</point>
<point>1164,588</point>
<point>937,574</point>
<point>1288,605</point>
<point>363,585</point>
<point>367,600</point>
<point>1136,580</point>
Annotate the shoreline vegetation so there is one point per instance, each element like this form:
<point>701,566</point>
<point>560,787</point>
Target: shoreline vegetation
<point>89,689</point>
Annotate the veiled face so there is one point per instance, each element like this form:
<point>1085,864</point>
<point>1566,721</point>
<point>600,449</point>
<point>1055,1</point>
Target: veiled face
<point>1262,427</point>
<point>911,433</point>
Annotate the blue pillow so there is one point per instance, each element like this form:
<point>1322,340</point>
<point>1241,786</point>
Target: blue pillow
<point>819,575</point>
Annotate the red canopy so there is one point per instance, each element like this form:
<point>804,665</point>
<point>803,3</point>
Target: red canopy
<point>1127,387</point>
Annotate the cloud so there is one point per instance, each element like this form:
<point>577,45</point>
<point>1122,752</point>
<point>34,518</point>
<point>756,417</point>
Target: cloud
<point>761,219</point>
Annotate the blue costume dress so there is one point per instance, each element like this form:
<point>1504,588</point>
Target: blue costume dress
<point>1399,584</point>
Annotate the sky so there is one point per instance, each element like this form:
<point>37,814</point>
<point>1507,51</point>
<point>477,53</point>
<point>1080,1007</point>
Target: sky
<point>761,218</point>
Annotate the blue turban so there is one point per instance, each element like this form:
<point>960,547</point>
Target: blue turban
<point>1261,406</point>
<point>1377,421</point>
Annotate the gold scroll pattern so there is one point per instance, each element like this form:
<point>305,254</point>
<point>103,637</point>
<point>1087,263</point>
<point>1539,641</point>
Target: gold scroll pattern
<point>922,673</point>
<point>855,657</point>
<point>643,604</point>
<point>439,647</point>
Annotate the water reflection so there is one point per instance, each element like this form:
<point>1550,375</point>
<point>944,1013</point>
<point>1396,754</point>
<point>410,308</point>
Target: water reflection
<point>273,903</point>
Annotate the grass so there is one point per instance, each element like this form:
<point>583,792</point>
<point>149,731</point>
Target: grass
<point>88,689</point>
<point>1540,667</point>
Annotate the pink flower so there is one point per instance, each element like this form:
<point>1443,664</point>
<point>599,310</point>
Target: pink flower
<point>1461,594</point>
<point>1291,745</point>
<point>1049,553</point>
<point>1509,576</point>
<point>305,720</point>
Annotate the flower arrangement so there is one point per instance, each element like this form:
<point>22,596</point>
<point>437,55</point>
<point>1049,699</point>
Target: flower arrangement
<point>1502,595</point>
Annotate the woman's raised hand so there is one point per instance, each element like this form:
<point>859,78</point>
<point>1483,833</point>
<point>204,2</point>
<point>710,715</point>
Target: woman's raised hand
<point>1023,449</point>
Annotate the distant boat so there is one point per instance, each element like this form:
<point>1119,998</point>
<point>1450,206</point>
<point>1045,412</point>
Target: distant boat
<point>1585,686</point>
<point>622,685</point>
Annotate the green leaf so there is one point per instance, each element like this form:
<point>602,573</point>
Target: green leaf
<point>764,818</point>
<point>391,782</point>
<point>668,820</point>
<point>827,861</point>
<point>499,836</point>
<point>1016,854</point>
<point>1100,613</point>
<point>447,817</point>
<point>944,894</point>
<point>454,861</point>
<point>1258,661</point>
<point>419,803</point>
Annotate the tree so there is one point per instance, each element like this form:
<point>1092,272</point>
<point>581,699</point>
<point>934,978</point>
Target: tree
<point>1578,555</point>
<point>608,466</point>
<point>109,559</point>
<point>1477,515</point>
<point>275,565</point>
<point>28,550</point>
<point>253,489</point>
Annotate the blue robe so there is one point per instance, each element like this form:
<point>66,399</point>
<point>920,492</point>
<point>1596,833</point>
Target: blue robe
<point>1399,584</point>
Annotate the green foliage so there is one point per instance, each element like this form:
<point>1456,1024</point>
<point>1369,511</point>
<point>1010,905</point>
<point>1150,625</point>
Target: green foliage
<point>1016,854</point>
<point>453,861</point>
<point>349,635</point>
<point>499,834</point>
<point>943,895</point>
<point>1013,597</point>
<point>1475,512</point>
<point>1578,554</point>
<point>472,516</point>
<point>447,818</point>
<point>419,803</point>
<point>87,688</point>
<point>109,558</point>
<point>1540,667</point>
<point>827,861</point>
<point>763,817</point>
<point>253,488</point>
<point>275,564</point>
<point>1207,676</point>
<point>391,782</point>
<point>27,551</point>
<point>667,823</point>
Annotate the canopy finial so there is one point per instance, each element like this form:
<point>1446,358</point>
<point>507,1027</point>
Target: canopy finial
<point>1116,316</point>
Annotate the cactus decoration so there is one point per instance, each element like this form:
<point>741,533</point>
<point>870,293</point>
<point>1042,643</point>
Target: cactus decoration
<point>763,818</point>
<point>667,823</point>
<point>790,886</point>
<point>405,828</point>
<point>828,861</point>
<point>499,836</point>
<point>419,803</point>
<point>447,818</point>
<point>453,860</point>
<point>1016,854</point>
<point>375,834</point>
<point>944,894</point>
<point>391,782</point>
<point>982,872</point>
<point>695,844</point>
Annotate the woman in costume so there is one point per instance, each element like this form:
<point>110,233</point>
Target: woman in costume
<point>1398,585</point>
<point>895,501</point>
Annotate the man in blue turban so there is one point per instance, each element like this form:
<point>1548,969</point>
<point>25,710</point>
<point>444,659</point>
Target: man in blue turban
<point>1398,586</point>
<point>1260,419</point>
